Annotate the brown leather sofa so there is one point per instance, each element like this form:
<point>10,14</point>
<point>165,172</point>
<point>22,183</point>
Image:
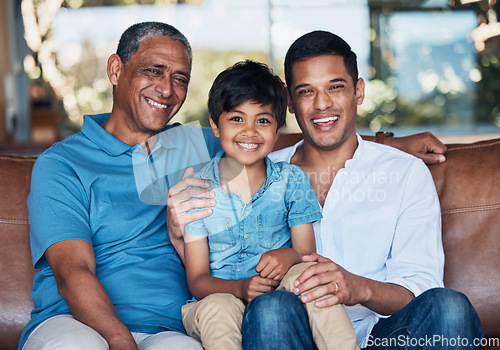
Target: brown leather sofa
<point>469,189</point>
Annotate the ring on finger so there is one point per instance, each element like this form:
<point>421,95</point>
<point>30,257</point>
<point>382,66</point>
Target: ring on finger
<point>336,287</point>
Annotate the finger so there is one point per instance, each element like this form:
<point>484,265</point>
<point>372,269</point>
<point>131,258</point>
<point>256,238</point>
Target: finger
<point>432,158</point>
<point>315,257</point>
<point>268,272</point>
<point>317,277</point>
<point>434,145</point>
<point>188,172</point>
<point>185,183</point>
<point>267,282</point>
<point>188,194</point>
<point>328,301</point>
<point>326,290</point>
<point>197,215</point>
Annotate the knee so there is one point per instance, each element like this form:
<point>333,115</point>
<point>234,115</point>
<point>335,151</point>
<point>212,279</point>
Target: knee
<point>275,306</point>
<point>450,307</point>
<point>220,305</point>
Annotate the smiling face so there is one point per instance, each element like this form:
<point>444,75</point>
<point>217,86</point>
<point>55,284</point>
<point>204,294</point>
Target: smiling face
<point>247,132</point>
<point>324,100</point>
<point>149,90</point>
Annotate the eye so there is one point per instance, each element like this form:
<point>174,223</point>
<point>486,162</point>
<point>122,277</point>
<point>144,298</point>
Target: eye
<point>263,121</point>
<point>181,80</point>
<point>236,119</point>
<point>304,91</point>
<point>152,72</point>
<point>337,87</point>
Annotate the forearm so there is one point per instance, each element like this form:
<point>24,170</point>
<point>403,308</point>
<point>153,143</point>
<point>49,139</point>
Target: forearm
<point>205,285</point>
<point>179,246</point>
<point>90,304</point>
<point>383,298</point>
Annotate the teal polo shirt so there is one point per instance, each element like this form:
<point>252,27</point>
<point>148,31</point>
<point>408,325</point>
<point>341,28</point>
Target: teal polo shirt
<point>94,187</point>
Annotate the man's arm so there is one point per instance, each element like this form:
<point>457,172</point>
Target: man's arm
<point>182,199</point>
<point>73,264</point>
<point>425,146</point>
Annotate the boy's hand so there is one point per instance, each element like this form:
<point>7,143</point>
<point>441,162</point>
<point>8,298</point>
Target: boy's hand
<point>274,264</point>
<point>254,286</point>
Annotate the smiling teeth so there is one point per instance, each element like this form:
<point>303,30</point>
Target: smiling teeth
<point>249,145</point>
<point>325,120</point>
<point>156,104</point>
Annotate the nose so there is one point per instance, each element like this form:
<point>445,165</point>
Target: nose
<point>322,100</point>
<point>249,130</point>
<point>164,87</point>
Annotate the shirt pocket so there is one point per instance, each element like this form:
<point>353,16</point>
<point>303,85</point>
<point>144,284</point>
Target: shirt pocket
<point>220,234</point>
<point>367,240</point>
<point>272,227</point>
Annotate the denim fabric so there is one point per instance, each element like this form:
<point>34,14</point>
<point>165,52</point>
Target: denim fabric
<point>439,318</point>
<point>239,233</point>
<point>275,321</point>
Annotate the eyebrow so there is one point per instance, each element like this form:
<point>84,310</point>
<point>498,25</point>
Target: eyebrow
<point>162,66</point>
<point>259,114</point>
<point>336,80</point>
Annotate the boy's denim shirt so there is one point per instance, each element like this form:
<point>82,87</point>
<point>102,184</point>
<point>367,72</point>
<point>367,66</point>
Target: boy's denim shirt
<point>239,233</point>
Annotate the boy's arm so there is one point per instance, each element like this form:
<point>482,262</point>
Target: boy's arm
<point>201,283</point>
<point>276,263</point>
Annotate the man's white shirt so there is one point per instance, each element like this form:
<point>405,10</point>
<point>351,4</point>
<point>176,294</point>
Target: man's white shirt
<point>381,220</point>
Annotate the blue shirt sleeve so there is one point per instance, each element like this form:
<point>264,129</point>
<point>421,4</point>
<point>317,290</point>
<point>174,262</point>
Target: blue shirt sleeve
<point>57,207</point>
<point>301,201</point>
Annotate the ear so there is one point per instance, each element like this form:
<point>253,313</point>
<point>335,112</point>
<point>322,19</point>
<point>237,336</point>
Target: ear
<point>360,91</point>
<point>115,66</point>
<point>289,99</point>
<point>215,128</point>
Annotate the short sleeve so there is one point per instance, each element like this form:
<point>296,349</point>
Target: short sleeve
<point>57,206</point>
<point>301,201</point>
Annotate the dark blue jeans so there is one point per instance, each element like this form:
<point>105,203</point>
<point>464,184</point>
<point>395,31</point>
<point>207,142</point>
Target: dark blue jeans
<point>437,319</point>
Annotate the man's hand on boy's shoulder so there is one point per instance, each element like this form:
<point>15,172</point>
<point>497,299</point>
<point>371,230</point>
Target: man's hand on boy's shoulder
<point>186,195</point>
<point>425,146</point>
<point>274,264</point>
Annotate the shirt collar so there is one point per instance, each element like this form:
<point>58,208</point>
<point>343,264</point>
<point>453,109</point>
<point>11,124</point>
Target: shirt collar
<point>211,173</point>
<point>114,147</point>
<point>96,133</point>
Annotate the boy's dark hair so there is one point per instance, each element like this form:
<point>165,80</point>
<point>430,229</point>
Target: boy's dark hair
<point>132,38</point>
<point>247,81</point>
<point>318,43</point>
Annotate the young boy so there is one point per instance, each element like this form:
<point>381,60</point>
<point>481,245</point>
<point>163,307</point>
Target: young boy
<point>262,223</point>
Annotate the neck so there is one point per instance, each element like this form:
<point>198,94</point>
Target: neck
<point>243,179</point>
<point>312,157</point>
<point>120,129</point>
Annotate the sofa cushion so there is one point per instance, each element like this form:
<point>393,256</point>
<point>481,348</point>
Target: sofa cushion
<point>16,270</point>
<point>469,192</point>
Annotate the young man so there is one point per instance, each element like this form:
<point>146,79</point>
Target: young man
<point>262,223</point>
<point>380,236</point>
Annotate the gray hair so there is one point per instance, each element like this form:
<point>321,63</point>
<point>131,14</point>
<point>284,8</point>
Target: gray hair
<point>133,37</point>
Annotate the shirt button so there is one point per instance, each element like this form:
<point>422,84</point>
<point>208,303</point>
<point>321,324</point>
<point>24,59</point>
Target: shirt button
<point>245,236</point>
<point>243,255</point>
<point>238,269</point>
